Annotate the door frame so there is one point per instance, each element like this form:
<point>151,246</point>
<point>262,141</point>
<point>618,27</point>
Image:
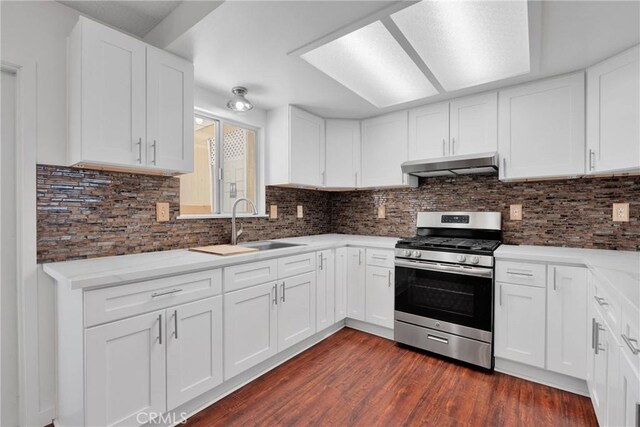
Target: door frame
<point>30,412</point>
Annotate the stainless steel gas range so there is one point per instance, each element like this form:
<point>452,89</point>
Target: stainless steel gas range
<point>445,283</point>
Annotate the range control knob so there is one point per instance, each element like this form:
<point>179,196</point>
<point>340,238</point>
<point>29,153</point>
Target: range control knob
<point>474,260</point>
<point>417,254</point>
<point>406,252</point>
<point>462,258</point>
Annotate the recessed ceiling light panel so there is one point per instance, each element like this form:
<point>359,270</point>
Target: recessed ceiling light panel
<point>468,43</point>
<point>370,62</point>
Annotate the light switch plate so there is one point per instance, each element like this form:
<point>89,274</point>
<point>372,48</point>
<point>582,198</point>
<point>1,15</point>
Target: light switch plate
<point>621,212</point>
<point>382,212</point>
<point>273,212</point>
<point>299,212</point>
<point>516,212</point>
<point>162,212</point>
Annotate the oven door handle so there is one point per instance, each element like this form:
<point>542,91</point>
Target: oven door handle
<point>466,271</point>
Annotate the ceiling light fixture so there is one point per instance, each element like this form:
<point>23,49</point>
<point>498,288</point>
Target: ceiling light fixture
<point>371,63</point>
<point>239,103</point>
<point>468,43</point>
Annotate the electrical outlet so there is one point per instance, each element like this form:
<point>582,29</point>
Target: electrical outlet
<point>162,212</point>
<point>516,212</point>
<point>382,212</point>
<point>299,212</point>
<point>621,212</point>
<point>273,212</point>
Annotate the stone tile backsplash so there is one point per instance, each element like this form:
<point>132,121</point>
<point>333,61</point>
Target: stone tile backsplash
<point>86,213</point>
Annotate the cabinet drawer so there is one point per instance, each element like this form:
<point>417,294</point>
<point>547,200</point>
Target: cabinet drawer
<point>108,304</point>
<point>380,257</point>
<point>297,264</point>
<point>630,334</point>
<point>245,275</point>
<point>521,273</point>
<point>604,298</point>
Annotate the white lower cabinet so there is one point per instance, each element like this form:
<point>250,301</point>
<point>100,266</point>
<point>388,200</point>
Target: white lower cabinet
<point>519,323</point>
<point>356,276</point>
<point>567,320</point>
<point>296,310</point>
<point>341,284</point>
<point>325,289</point>
<point>629,382</point>
<point>194,350</point>
<point>380,290</point>
<point>250,327</point>
<point>125,370</point>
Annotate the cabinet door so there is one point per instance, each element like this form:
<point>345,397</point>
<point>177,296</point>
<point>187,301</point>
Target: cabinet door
<point>567,321</point>
<point>306,139</point>
<point>343,153</point>
<point>356,283</point>
<point>520,323</point>
<point>113,96</point>
<point>474,124</point>
<point>630,390</point>
<point>169,112</point>
<point>194,350</point>
<point>325,290</point>
<point>384,149</point>
<point>597,365</point>
<point>296,309</point>
<point>341,284</point>
<point>379,296</point>
<point>125,370</point>
<point>429,131</point>
<point>250,327</point>
<point>541,129</point>
<point>613,113</point>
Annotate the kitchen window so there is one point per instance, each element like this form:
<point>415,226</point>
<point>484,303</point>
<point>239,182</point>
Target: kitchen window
<point>225,169</point>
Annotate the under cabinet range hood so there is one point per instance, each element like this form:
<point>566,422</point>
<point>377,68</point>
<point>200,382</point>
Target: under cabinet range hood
<point>483,163</point>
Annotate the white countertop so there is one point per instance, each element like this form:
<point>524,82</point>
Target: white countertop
<point>122,269</point>
<point>621,269</point>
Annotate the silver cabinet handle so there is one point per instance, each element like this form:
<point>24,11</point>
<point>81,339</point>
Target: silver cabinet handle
<point>356,175</point>
<point>453,145</point>
<point>275,291</point>
<point>504,166</point>
<point>359,256</point>
<point>444,146</point>
<point>591,159</point>
<point>554,279</point>
<point>323,175</point>
<point>600,300</point>
<point>517,273</point>
<point>321,262</point>
<point>159,328</point>
<point>437,339</point>
<point>159,294</point>
<point>283,291</point>
<point>500,296</point>
<point>140,150</point>
<point>155,149</point>
<point>175,323</point>
<point>389,278</point>
<point>593,333</point>
<point>631,343</point>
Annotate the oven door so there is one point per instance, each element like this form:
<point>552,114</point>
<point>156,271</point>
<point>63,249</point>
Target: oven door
<point>449,297</point>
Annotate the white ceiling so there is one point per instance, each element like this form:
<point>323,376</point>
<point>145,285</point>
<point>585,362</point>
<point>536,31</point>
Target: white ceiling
<point>247,43</point>
<point>134,17</point>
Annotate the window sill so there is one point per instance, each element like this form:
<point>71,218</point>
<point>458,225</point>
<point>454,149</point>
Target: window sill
<point>220,216</point>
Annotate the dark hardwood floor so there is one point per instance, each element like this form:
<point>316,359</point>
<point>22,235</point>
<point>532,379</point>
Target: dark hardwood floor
<point>353,378</point>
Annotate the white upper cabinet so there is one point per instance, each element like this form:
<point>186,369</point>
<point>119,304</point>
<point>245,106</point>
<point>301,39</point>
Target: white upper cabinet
<point>474,124</point>
<point>429,131</point>
<point>613,114</point>
<point>343,154</point>
<point>541,129</point>
<point>295,148</point>
<point>384,149</point>
<point>169,111</point>
<point>130,105</point>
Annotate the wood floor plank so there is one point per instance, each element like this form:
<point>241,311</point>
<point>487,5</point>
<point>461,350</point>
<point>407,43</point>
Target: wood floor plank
<point>356,379</point>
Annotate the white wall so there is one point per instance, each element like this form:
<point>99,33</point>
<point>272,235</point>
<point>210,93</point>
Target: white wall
<point>36,31</point>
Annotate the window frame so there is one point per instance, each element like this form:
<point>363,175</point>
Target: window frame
<point>217,171</point>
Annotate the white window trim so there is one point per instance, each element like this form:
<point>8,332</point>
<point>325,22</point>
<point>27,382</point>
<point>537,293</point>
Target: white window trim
<point>260,186</point>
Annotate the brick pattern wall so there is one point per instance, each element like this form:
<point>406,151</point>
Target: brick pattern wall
<point>87,214</point>
<point>575,213</point>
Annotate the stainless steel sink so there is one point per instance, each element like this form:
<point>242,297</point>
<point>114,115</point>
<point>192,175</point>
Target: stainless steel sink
<point>268,245</point>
